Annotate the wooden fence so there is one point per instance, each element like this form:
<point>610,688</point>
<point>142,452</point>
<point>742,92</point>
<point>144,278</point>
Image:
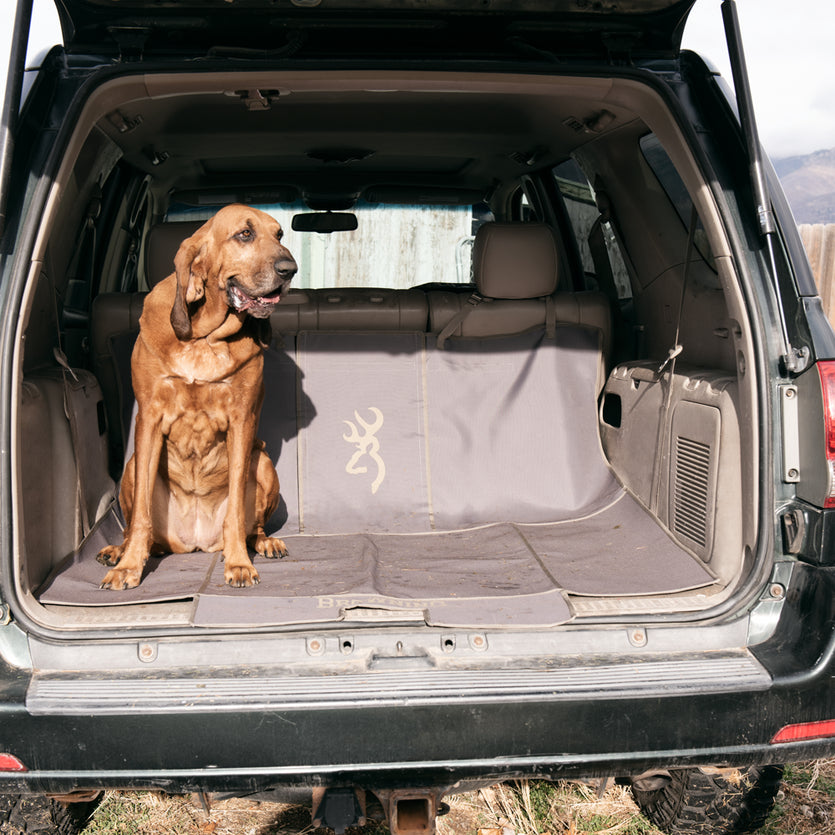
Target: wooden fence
<point>819,240</point>
<point>393,246</point>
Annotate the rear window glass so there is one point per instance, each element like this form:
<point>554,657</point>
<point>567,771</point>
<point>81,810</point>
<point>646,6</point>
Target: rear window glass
<point>603,264</point>
<point>664,170</point>
<point>393,246</point>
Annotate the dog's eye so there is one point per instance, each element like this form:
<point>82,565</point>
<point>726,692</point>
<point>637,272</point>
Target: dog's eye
<point>279,234</point>
<point>245,235</point>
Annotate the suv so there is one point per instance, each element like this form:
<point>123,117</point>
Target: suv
<point>552,405</point>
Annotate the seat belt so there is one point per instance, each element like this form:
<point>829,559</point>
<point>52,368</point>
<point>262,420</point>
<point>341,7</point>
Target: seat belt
<point>474,300</point>
<point>67,372</point>
<point>550,317</point>
<point>600,258</point>
<point>88,233</point>
<point>669,362</point>
<point>677,348</point>
<point>75,435</point>
<point>78,294</point>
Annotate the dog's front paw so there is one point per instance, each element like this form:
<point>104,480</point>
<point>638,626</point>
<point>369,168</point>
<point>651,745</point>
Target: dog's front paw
<point>110,555</point>
<point>240,576</point>
<point>270,547</point>
<point>120,579</point>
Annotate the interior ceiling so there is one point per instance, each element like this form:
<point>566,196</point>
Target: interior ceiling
<point>331,144</point>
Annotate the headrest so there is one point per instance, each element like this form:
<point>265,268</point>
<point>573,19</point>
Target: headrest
<point>164,240</point>
<point>515,260</point>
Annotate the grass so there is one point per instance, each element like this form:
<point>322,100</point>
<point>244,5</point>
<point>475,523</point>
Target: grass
<point>805,806</point>
<point>533,808</point>
<point>143,813</point>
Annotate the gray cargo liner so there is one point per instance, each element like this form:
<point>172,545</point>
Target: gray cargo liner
<point>417,480</point>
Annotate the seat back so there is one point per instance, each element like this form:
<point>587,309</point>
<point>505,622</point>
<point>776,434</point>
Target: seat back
<point>161,246</point>
<point>516,270</point>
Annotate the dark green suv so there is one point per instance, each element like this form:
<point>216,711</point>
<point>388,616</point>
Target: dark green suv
<point>551,402</point>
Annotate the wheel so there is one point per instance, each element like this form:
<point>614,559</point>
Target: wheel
<point>697,801</point>
<point>33,814</point>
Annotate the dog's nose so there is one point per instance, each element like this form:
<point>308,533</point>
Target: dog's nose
<point>286,268</point>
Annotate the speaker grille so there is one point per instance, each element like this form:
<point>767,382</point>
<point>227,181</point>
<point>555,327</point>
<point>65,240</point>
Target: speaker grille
<point>691,490</point>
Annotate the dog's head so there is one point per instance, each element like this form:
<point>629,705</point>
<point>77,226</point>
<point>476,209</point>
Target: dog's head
<point>235,259</point>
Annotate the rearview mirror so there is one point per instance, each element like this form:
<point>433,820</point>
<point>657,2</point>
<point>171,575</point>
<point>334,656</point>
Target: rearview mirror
<point>324,222</point>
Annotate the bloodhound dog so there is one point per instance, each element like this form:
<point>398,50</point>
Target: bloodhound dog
<point>199,479</point>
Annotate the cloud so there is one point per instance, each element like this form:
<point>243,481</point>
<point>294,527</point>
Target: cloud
<point>791,64</point>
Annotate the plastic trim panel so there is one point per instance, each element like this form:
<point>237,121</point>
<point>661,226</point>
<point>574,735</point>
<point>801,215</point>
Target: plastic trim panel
<point>731,673</point>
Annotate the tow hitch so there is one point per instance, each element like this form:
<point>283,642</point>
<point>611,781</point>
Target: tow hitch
<point>412,812</point>
<point>407,811</point>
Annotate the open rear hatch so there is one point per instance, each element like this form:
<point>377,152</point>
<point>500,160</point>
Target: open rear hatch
<point>649,28</point>
<point>523,461</point>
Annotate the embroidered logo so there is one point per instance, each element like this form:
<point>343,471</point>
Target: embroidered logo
<point>367,444</point>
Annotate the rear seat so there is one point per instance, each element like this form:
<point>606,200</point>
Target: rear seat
<point>517,282</point>
<point>515,348</point>
<point>115,319</point>
<point>351,309</point>
<point>516,269</point>
<point>343,357</point>
<point>412,431</point>
<point>115,325</point>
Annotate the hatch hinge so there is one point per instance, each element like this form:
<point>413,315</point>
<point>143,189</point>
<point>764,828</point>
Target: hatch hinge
<point>130,40</point>
<point>797,360</point>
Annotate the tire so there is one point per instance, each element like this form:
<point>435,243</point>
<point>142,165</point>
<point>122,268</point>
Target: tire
<point>717,801</point>
<point>33,814</point>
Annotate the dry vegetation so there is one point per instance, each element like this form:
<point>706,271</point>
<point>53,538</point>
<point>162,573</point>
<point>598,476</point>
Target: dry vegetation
<point>805,806</point>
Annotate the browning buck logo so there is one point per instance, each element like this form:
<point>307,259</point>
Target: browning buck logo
<point>367,444</point>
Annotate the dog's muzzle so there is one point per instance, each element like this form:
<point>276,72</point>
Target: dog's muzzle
<point>261,306</point>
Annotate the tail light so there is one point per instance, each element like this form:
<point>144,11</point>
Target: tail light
<point>9,762</point>
<point>826,370</point>
<point>804,731</point>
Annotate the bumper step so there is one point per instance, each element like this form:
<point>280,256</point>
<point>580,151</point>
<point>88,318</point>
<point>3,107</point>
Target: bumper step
<point>56,694</point>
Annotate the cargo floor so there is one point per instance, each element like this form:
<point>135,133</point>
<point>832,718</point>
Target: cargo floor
<point>497,575</point>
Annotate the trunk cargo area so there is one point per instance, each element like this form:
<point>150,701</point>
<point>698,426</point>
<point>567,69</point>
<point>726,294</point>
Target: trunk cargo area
<point>467,406</point>
<point>461,484</point>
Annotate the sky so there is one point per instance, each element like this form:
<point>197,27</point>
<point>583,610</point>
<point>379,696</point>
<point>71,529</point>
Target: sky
<point>788,46</point>
<point>790,52</point>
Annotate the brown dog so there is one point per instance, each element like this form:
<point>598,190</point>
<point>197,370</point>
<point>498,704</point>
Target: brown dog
<point>199,479</point>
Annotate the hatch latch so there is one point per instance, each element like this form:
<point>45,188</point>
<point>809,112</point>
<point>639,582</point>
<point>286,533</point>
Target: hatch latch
<point>130,40</point>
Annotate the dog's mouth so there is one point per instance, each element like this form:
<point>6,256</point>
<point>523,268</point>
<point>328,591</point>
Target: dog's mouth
<point>258,306</point>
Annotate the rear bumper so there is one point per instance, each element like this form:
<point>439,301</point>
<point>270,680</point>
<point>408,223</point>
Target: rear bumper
<point>404,745</point>
<point>403,721</point>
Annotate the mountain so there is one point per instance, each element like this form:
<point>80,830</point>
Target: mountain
<point>809,183</point>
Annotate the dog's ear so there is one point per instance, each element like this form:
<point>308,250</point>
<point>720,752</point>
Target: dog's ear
<point>190,266</point>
